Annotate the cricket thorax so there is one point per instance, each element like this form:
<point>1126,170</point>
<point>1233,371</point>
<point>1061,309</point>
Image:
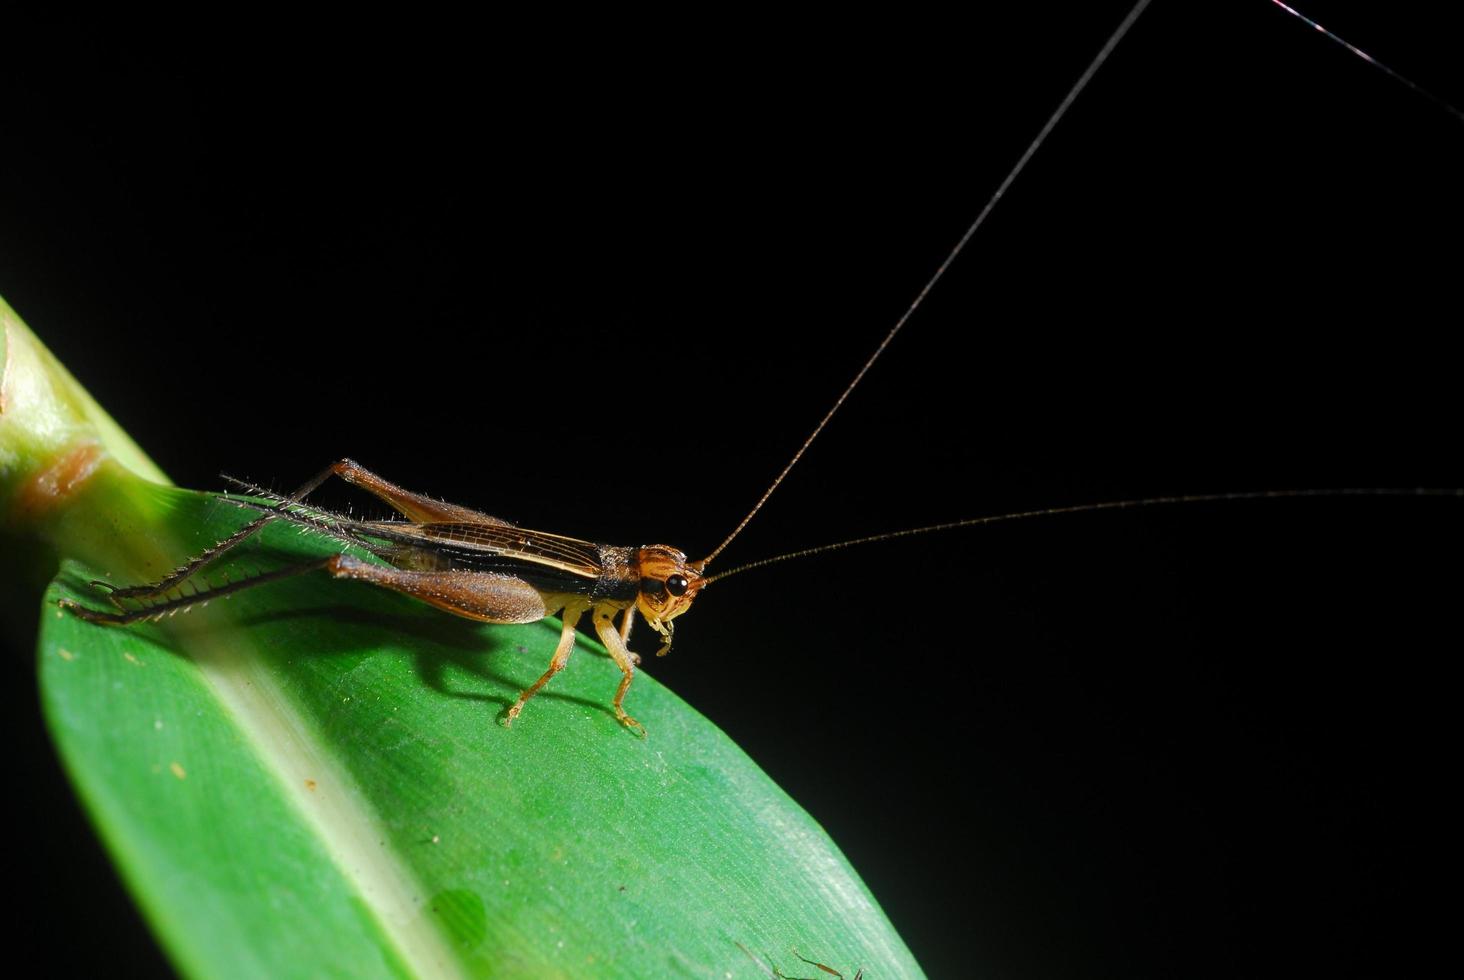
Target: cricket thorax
<point>619,580</point>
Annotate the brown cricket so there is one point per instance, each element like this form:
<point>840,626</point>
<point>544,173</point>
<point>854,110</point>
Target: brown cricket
<point>463,561</point>
<point>484,568</point>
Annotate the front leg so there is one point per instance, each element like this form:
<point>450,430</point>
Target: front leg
<point>626,622</point>
<point>610,636</point>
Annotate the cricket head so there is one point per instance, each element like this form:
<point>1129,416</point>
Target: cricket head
<point>668,583</point>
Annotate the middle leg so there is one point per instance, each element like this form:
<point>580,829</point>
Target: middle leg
<point>571,615</point>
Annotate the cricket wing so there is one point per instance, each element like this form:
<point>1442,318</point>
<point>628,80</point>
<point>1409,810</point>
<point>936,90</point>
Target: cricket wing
<point>483,545</point>
<point>554,561</point>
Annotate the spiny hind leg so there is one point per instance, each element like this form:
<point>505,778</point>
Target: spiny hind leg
<point>413,506</point>
<point>193,565</point>
<point>178,603</point>
<point>488,597</point>
<point>571,616</point>
<point>484,596</point>
<point>610,636</point>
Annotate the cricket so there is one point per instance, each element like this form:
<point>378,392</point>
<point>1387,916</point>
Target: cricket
<point>483,568</point>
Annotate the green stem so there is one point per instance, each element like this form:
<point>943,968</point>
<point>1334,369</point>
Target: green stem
<point>70,478</point>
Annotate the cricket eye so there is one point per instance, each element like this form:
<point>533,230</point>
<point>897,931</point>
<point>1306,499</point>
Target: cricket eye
<point>652,586</point>
<point>677,585</point>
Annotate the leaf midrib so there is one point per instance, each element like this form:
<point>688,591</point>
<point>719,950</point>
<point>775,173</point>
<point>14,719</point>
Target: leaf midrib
<point>331,804</point>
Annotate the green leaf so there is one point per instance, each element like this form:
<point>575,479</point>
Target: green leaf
<point>309,779</point>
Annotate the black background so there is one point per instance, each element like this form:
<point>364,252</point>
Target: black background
<point>602,278</point>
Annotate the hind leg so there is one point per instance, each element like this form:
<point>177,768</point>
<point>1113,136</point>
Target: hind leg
<point>169,607</point>
<point>415,507</point>
<point>571,616</point>
<point>194,564</point>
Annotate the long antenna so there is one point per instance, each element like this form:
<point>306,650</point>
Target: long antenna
<point>1196,498</point>
<point>1021,164</point>
<point>1358,52</point>
<point>1037,141</point>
